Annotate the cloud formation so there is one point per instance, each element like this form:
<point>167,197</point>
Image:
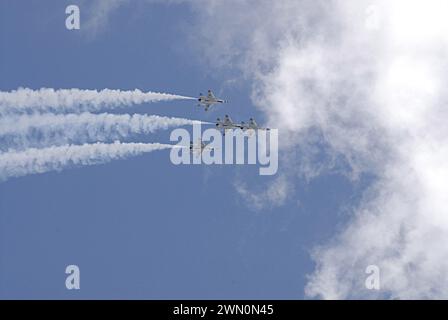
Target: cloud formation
<point>97,14</point>
<point>273,196</point>
<point>366,83</point>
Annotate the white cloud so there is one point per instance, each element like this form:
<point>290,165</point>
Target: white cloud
<point>273,195</point>
<point>375,98</point>
<point>371,96</point>
<point>97,14</point>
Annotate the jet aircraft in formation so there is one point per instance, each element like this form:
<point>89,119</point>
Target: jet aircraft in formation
<point>209,100</point>
<point>198,148</point>
<point>228,124</point>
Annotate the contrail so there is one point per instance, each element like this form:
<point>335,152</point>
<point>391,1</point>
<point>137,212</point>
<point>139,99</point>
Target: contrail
<point>32,161</point>
<point>76,100</point>
<point>39,130</point>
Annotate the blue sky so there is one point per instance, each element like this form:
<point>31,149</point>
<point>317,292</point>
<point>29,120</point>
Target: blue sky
<point>142,228</point>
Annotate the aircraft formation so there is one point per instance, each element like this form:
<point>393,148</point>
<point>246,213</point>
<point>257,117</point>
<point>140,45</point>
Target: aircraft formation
<point>209,100</point>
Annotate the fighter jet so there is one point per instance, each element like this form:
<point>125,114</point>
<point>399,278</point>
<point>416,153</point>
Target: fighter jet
<point>209,100</point>
<point>198,149</point>
<point>227,124</point>
<point>252,125</point>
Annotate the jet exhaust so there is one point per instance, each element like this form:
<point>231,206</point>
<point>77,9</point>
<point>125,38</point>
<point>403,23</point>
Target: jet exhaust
<point>33,161</point>
<point>76,100</point>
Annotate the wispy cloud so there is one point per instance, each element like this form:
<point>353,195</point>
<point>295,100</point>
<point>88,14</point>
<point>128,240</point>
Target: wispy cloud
<point>369,94</point>
<point>97,15</point>
<point>273,196</point>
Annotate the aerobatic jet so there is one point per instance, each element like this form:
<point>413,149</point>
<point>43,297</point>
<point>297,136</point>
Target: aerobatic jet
<point>227,124</point>
<point>198,149</point>
<point>252,125</point>
<point>209,100</point>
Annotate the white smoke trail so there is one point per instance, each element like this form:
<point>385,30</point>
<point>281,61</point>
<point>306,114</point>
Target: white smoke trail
<point>32,161</point>
<point>56,129</point>
<point>76,100</point>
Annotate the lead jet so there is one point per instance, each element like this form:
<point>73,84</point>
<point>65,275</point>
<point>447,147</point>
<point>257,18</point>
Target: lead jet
<point>198,149</point>
<point>209,100</point>
<point>227,124</point>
